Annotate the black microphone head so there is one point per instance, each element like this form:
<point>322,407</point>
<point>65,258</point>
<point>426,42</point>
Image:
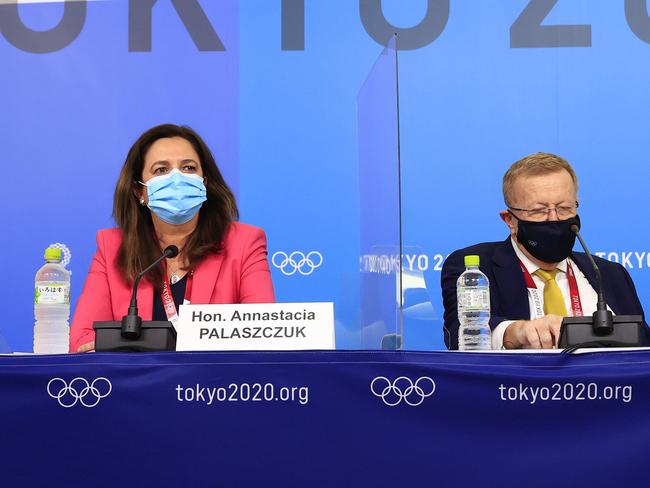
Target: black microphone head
<point>171,251</point>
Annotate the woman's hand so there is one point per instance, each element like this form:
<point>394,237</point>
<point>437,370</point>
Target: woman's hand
<point>87,347</point>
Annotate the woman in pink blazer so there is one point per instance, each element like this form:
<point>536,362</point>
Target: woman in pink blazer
<point>170,192</point>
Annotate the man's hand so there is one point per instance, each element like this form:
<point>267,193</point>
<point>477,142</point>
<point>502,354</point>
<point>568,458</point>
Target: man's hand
<point>89,347</point>
<point>542,333</point>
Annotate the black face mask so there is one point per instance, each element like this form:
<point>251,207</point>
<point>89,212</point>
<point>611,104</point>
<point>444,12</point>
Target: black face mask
<point>550,241</point>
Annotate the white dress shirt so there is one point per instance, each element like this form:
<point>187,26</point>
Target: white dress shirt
<point>588,296</point>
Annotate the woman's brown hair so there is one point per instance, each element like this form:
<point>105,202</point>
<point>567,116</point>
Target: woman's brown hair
<point>140,246</point>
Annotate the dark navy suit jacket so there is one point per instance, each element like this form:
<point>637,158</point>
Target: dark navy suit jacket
<point>508,293</point>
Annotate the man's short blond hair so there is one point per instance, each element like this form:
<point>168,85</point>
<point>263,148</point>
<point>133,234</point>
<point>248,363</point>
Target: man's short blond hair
<point>534,165</point>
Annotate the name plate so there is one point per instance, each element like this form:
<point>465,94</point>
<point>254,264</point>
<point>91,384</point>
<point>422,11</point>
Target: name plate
<point>255,326</point>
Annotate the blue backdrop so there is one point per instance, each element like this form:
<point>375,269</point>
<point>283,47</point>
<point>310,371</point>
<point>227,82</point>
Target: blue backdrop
<point>273,86</point>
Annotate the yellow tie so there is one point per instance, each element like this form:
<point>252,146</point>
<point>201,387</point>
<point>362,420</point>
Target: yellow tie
<point>553,299</point>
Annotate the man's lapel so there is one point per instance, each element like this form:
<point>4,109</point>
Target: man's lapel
<point>513,295</point>
<point>588,270</point>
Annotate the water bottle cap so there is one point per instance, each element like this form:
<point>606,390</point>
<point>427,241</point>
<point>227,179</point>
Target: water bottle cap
<point>52,253</point>
<point>472,260</point>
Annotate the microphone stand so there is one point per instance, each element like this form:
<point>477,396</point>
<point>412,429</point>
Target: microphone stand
<point>131,333</point>
<point>131,322</point>
<point>602,328</point>
<point>603,320</point>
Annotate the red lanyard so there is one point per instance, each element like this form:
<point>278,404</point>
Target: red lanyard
<point>576,304</point>
<point>168,299</point>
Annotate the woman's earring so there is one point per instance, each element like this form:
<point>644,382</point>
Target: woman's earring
<point>142,202</point>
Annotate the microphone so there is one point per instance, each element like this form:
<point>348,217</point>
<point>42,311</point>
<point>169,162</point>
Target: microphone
<point>132,322</point>
<point>603,323</point>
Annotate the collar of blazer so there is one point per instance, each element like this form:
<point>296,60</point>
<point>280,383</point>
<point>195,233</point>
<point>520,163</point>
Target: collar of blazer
<point>512,286</point>
<point>510,283</point>
<point>205,278</point>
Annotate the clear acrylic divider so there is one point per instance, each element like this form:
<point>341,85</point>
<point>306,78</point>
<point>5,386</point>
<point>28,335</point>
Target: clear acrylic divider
<point>380,245</point>
<point>421,322</point>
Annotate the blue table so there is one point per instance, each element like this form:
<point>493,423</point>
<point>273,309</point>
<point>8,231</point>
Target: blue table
<point>330,419</point>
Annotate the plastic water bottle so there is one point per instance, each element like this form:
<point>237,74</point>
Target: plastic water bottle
<point>473,294</point>
<point>52,305</point>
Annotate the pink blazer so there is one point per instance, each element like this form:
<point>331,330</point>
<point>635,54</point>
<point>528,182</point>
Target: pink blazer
<point>239,274</point>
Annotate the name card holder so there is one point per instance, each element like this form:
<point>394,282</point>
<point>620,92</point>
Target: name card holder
<point>256,326</point>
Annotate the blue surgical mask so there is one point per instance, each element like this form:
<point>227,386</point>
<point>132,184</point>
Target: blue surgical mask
<point>176,197</point>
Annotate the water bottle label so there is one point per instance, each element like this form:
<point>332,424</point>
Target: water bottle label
<point>54,293</point>
<point>477,299</point>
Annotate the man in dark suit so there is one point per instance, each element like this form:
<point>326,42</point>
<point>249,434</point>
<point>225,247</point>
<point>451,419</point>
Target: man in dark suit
<point>535,278</point>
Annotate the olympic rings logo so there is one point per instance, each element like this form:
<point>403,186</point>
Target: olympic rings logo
<point>79,390</point>
<point>403,388</point>
<point>297,262</point>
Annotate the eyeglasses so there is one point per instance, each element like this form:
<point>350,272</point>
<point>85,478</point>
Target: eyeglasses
<point>542,213</point>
